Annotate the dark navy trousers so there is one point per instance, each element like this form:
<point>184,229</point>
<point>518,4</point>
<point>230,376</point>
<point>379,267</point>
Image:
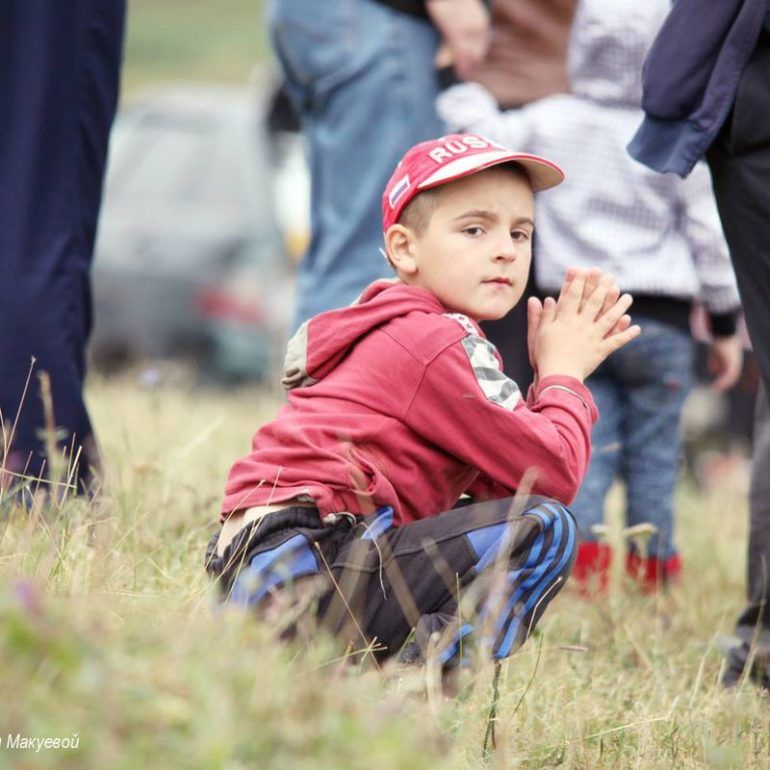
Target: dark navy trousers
<point>740,169</point>
<point>59,76</point>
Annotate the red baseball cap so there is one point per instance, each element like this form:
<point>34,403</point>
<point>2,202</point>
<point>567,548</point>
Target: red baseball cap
<point>451,157</point>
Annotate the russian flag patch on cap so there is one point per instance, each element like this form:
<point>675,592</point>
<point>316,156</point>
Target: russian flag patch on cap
<point>399,190</point>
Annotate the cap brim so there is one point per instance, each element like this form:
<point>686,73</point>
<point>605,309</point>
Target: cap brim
<point>542,173</point>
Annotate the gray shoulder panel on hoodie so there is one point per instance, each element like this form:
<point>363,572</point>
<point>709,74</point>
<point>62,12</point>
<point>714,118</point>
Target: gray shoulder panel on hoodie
<point>295,362</point>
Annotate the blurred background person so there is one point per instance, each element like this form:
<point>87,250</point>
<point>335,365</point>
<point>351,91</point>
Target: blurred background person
<point>362,78</point>
<point>59,74</point>
<point>527,53</point>
<point>660,237</point>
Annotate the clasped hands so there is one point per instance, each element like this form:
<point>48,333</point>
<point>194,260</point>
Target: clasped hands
<point>573,334</point>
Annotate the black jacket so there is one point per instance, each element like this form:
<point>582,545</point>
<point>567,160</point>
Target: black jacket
<point>690,79</point>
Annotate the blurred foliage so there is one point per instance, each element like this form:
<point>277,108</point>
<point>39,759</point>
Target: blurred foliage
<point>192,40</point>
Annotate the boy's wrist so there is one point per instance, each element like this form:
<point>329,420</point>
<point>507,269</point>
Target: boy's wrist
<point>559,371</point>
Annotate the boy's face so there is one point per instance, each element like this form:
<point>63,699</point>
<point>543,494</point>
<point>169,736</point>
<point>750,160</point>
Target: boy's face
<point>476,250</point>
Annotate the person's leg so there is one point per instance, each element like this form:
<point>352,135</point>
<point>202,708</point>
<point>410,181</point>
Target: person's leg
<point>594,556</point>
<point>740,167</point>
<point>481,574</point>
<point>758,610</point>
<point>658,372</point>
<point>59,73</point>
<point>362,78</point>
<point>753,626</point>
<point>276,567</point>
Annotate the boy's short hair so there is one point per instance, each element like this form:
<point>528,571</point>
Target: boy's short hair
<point>438,161</point>
<point>417,213</point>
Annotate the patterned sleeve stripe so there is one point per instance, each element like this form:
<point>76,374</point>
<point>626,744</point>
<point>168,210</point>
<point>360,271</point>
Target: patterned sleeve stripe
<point>498,388</point>
<point>464,321</point>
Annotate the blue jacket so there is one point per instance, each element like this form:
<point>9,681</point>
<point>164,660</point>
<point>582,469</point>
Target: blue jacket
<point>690,79</point>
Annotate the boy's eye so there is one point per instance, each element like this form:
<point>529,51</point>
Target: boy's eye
<point>520,236</point>
<point>473,230</point>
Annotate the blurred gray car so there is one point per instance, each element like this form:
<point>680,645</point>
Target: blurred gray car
<point>189,260</point>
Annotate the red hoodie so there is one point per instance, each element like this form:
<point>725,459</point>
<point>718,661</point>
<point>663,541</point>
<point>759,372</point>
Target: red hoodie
<point>397,401</point>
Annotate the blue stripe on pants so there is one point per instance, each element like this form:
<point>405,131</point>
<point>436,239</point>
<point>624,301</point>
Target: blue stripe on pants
<point>546,560</point>
<point>271,569</point>
<point>561,517</point>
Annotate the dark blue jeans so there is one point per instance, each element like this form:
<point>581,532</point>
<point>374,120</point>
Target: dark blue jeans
<point>639,391</point>
<point>362,78</point>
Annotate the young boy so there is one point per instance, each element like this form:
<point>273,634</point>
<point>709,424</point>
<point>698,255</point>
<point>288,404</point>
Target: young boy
<point>398,405</point>
<point>661,239</point>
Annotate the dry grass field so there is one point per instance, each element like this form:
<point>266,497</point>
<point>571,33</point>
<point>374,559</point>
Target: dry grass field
<point>110,637</point>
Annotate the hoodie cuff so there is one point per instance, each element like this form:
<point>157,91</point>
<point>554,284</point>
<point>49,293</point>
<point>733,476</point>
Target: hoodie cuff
<point>570,386</point>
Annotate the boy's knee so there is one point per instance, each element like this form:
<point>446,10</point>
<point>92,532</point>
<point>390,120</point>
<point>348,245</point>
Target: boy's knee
<point>558,539</point>
<point>554,516</point>
<point>553,535</point>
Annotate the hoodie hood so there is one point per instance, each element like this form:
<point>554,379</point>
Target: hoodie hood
<point>323,341</point>
<point>608,44</point>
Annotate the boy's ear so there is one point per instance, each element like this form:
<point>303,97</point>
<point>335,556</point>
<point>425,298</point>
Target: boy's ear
<point>400,247</point>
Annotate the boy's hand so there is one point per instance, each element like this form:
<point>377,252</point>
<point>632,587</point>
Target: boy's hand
<point>576,333</point>
<point>593,279</point>
<point>725,361</point>
<point>534,314</point>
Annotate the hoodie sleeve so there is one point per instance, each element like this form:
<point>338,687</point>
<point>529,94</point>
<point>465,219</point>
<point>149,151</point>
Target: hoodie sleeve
<point>470,107</point>
<point>702,229</point>
<point>466,405</point>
